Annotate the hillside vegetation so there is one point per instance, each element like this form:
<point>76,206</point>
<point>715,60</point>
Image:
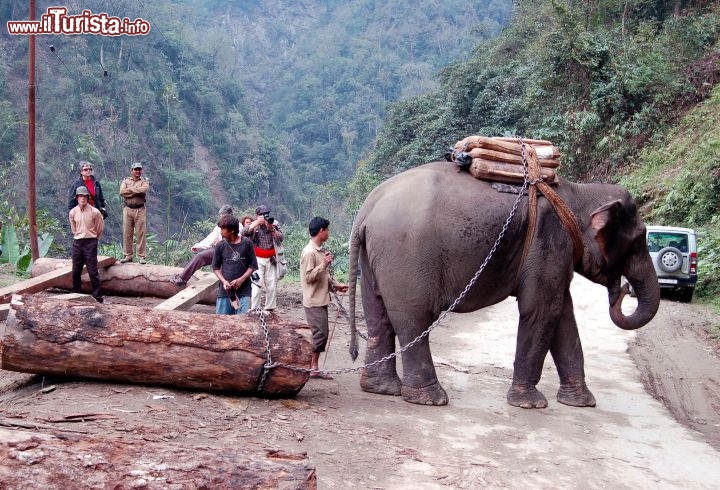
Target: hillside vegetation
<point>677,181</point>
<point>259,101</point>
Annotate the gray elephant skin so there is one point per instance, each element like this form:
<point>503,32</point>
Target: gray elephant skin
<point>421,236</point>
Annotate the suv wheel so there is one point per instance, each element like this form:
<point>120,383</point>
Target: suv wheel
<point>669,259</point>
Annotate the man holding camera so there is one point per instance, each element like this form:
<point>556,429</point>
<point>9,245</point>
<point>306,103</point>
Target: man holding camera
<point>264,233</point>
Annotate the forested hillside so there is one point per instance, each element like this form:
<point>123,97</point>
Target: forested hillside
<point>240,102</point>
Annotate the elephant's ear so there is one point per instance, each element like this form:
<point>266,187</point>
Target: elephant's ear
<point>604,222</point>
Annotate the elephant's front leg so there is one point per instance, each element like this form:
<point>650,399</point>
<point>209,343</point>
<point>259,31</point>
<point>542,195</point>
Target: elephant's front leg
<point>567,353</point>
<point>420,384</point>
<point>539,318</point>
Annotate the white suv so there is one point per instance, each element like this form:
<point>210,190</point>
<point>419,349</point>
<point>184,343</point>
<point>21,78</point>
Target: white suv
<point>674,255</point>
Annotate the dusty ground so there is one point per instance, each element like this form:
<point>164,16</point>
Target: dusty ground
<point>361,440</point>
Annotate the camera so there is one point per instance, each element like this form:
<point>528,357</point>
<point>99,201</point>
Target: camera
<point>255,277</point>
<point>269,218</point>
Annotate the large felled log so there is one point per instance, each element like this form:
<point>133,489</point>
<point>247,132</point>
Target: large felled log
<point>129,279</point>
<point>32,460</point>
<point>143,345</point>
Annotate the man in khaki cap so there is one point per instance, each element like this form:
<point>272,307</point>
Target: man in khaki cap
<point>87,225</point>
<point>134,189</point>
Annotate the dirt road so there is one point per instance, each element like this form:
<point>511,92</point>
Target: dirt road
<point>360,440</point>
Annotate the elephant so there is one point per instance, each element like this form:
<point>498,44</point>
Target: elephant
<point>421,236</point>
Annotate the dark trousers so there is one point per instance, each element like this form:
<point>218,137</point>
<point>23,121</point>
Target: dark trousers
<point>200,260</point>
<point>84,253</point>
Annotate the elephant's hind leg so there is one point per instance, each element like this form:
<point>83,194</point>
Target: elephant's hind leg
<point>382,377</point>
<point>420,384</point>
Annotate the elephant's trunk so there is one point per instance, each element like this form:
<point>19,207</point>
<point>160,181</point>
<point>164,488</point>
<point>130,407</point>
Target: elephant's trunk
<point>644,281</point>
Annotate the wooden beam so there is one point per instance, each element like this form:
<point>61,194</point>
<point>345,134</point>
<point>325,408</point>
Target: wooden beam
<point>192,294</point>
<point>45,281</point>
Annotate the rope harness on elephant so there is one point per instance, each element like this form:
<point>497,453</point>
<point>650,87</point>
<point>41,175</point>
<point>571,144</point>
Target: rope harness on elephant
<point>536,183</point>
<point>533,182</point>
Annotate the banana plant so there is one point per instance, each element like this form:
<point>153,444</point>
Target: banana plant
<point>19,258</point>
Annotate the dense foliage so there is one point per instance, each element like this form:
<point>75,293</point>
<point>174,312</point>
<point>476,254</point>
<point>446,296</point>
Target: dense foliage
<point>599,79</point>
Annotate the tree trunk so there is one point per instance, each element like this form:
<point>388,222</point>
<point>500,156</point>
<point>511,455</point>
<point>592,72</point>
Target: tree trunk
<point>148,346</point>
<point>37,460</point>
<point>128,279</point>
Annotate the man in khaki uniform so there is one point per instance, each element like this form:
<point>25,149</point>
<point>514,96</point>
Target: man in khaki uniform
<point>133,189</point>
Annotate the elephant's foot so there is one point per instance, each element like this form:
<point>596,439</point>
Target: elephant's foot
<point>428,395</point>
<point>525,396</point>
<point>575,396</point>
<point>380,383</point>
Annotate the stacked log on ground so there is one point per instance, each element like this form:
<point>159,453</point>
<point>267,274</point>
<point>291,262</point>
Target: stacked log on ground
<point>142,345</point>
<point>35,460</point>
<point>129,279</point>
<point>501,159</point>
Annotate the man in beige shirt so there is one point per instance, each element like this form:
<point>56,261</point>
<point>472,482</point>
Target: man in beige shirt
<point>317,282</point>
<point>134,190</point>
<point>87,225</point>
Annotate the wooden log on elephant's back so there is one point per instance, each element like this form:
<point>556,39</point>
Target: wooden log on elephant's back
<point>129,279</point>
<point>143,345</point>
<point>37,460</point>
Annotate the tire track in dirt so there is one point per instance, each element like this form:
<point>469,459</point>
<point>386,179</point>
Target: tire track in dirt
<point>679,366</point>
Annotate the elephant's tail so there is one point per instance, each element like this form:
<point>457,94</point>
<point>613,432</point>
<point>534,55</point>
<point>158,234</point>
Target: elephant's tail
<point>356,241</point>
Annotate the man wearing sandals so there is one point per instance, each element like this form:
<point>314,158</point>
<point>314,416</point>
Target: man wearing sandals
<point>316,283</point>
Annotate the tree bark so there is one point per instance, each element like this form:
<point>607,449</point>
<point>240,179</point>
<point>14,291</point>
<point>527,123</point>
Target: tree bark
<point>147,346</point>
<point>36,460</point>
<point>128,279</point>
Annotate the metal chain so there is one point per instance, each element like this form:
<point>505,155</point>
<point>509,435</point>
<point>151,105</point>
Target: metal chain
<point>443,314</point>
<point>268,362</point>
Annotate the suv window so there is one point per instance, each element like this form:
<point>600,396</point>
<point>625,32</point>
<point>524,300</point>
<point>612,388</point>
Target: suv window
<point>657,241</point>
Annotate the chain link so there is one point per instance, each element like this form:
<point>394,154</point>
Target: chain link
<point>506,225</point>
<point>268,361</point>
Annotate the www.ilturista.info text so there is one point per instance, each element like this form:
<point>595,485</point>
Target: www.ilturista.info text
<point>56,21</point>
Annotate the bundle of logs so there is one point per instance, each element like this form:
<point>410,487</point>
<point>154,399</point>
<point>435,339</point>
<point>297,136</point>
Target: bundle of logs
<point>504,159</point>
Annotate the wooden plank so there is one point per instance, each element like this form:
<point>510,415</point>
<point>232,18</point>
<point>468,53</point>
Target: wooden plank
<point>192,294</point>
<point>44,281</point>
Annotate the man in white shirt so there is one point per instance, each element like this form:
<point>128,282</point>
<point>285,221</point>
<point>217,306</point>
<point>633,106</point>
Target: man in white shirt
<point>204,250</point>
